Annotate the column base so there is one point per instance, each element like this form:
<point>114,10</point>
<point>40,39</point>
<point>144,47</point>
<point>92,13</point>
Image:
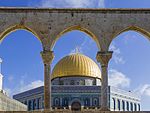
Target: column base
<point>70,108</point>
<point>104,109</point>
<point>47,110</point>
<point>82,108</point>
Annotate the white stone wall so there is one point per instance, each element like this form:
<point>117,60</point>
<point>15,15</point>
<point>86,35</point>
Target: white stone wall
<point>125,96</point>
<point>8,104</point>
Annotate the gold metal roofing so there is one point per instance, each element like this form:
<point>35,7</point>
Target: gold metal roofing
<point>76,65</point>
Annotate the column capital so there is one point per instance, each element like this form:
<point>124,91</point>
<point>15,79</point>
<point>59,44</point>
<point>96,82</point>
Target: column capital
<point>103,57</point>
<point>47,56</point>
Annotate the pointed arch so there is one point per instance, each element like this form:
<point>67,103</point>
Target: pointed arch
<point>132,28</point>
<point>17,27</point>
<point>79,28</point>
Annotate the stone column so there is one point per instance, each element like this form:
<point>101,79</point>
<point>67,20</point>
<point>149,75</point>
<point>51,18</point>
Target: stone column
<point>103,58</point>
<point>47,57</point>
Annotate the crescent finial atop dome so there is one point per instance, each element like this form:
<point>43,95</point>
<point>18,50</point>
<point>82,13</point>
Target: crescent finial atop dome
<point>77,50</point>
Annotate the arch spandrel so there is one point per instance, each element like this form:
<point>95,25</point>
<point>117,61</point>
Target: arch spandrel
<point>71,28</point>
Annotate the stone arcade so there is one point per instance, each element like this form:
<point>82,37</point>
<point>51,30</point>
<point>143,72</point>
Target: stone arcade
<point>103,25</point>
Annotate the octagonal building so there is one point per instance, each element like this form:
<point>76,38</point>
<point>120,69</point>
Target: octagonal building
<point>76,85</point>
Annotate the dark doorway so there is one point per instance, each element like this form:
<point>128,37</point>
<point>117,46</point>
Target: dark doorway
<point>76,106</point>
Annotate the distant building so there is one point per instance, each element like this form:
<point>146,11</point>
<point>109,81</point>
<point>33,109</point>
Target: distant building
<point>7,103</point>
<point>76,85</point>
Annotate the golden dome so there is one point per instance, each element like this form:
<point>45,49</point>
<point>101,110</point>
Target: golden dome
<point>76,65</point>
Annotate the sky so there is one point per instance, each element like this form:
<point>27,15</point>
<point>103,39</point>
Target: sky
<point>22,65</point>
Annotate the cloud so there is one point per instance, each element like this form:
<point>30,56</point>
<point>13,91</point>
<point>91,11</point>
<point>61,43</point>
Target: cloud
<point>85,46</point>
<point>72,3</point>
<point>118,79</point>
<point>101,3</point>
<point>23,87</point>
<point>78,49</point>
<point>143,90</point>
<point>32,85</point>
<point>130,36</point>
<point>118,59</point>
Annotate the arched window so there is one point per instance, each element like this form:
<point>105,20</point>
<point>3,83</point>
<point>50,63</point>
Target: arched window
<point>38,103</point>
<point>78,83</point>
<point>135,108</point>
<point>56,102</point>
<point>86,102</point>
<point>139,106</point>
<point>61,82</point>
<point>127,106</point>
<point>72,82</point>
<point>65,102</point>
<point>131,106</point>
<point>95,102</point>
<point>114,104</point>
<point>118,104</point>
<point>82,82</point>
<point>94,82</point>
<point>123,105</point>
<point>29,105</point>
<point>34,104</point>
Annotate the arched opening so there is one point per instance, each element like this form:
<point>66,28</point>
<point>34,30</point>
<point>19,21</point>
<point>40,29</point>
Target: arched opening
<point>29,105</point>
<point>133,28</point>
<point>33,104</point>
<point>73,43</point>
<point>65,102</point>
<point>123,105</point>
<point>135,107</point>
<point>139,107</point>
<point>15,28</point>
<point>131,60</point>
<point>131,106</point>
<point>22,65</point>
<point>76,28</point>
<point>114,104</point>
<point>95,102</point>
<point>57,102</point>
<point>76,106</point>
<point>127,103</point>
<point>86,102</point>
<point>118,103</point>
<point>38,103</point>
